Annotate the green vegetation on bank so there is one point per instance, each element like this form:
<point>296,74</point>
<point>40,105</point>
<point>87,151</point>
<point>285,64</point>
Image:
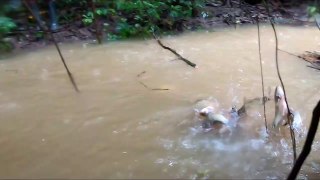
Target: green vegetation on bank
<point>123,19</point>
<point>6,25</point>
<point>108,19</point>
<point>116,19</point>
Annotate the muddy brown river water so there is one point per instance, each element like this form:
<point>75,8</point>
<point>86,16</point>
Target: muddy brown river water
<point>116,128</point>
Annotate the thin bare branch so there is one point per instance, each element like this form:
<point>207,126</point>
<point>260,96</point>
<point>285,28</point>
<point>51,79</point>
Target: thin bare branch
<point>48,31</point>
<point>292,134</point>
<point>160,89</point>
<point>144,85</point>
<point>314,67</point>
<point>308,143</point>
<point>289,53</point>
<point>140,74</point>
<point>153,89</point>
<point>261,74</point>
<point>174,52</point>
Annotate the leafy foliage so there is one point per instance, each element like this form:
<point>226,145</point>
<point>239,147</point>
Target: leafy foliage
<point>312,10</point>
<point>139,17</point>
<point>119,19</point>
<point>6,26</point>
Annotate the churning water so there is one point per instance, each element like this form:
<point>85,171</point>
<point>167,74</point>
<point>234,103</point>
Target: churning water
<point>117,128</point>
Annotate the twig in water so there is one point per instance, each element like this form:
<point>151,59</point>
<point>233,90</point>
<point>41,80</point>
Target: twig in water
<point>307,145</point>
<point>140,74</point>
<point>292,134</point>
<point>144,85</point>
<point>160,89</point>
<point>174,52</point>
<point>153,89</point>
<point>48,31</point>
<point>261,74</point>
<point>317,68</point>
<point>289,53</point>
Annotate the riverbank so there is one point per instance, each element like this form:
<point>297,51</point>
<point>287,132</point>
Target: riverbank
<point>214,16</point>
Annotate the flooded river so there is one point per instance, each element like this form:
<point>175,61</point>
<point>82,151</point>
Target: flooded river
<point>117,128</point>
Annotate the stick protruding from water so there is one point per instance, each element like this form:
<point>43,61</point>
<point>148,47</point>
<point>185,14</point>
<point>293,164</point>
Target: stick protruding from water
<point>174,52</point>
<point>262,79</point>
<point>292,134</point>
<point>48,31</point>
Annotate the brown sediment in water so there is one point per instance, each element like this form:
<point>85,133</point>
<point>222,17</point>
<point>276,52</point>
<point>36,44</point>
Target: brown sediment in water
<point>116,129</point>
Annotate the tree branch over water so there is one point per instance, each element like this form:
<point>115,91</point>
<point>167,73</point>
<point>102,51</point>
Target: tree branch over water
<point>314,65</point>
<point>292,134</point>
<point>48,31</point>
<point>174,52</point>
<point>308,144</point>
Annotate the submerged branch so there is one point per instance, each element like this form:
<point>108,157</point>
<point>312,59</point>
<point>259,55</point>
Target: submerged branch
<point>144,85</point>
<point>261,74</point>
<point>292,134</point>
<point>160,89</point>
<point>289,53</point>
<point>140,74</point>
<point>147,87</point>
<point>175,52</point>
<point>153,89</point>
<point>48,31</point>
<point>314,67</point>
<point>314,64</point>
<point>308,143</point>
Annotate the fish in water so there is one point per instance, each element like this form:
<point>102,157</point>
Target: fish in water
<point>249,103</point>
<point>281,111</point>
<point>211,120</point>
